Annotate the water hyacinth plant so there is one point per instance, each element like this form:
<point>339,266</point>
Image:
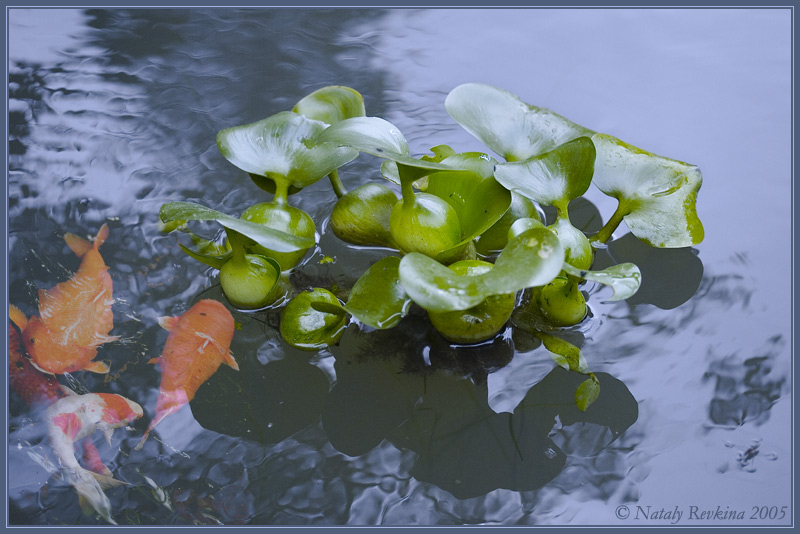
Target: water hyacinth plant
<point>466,240</point>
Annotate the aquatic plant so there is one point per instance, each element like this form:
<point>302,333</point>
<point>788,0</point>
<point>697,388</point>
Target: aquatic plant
<point>466,240</point>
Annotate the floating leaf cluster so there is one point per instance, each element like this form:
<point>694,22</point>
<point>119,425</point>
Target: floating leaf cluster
<point>465,234</point>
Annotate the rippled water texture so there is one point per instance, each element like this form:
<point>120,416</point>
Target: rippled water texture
<point>114,112</point>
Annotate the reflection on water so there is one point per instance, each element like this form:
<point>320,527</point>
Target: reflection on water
<point>116,113</point>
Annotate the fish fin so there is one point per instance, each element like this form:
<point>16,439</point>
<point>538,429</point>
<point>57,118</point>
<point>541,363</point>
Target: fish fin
<point>69,392</point>
<point>90,493</point>
<point>77,244</point>
<point>230,361</point>
<point>107,481</point>
<point>17,317</point>
<point>97,367</point>
<point>100,339</point>
<point>154,422</point>
<point>108,433</point>
<point>101,236</point>
<point>91,459</point>
<point>154,361</point>
<point>168,323</point>
<point>33,363</point>
<point>80,246</point>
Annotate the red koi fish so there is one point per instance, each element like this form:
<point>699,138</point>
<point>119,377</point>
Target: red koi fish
<point>38,390</point>
<point>75,417</point>
<point>75,316</point>
<point>198,342</point>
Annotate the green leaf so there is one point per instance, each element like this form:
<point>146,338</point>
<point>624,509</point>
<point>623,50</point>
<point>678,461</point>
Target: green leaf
<point>564,353</point>
<point>331,104</point>
<point>493,240</point>
<point>523,225</point>
<point>216,261</point>
<point>251,281</point>
<point>479,202</point>
<point>325,307</point>
<point>513,129</point>
<point>577,248</point>
<point>282,148</point>
<point>478,162</point>
<point>266,237</point>
<point>531,259</point>
<point>378,299</point>
<point>379,138</point>
<point>440,152</point>
<point>372,135</point>
<point>362,216</point>
<point>587,392</point>
<point>553,178</point>
<point>624,279</point>
<point>657,195</point>
<point>307,322</point>
<point>478,323</point>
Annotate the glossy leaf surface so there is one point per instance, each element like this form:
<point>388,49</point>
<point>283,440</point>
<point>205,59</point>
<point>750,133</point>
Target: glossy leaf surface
<point>657,195</point>
<point>281,148</point>
<point>307,326</point>
<point>480,322</point>
<point>379,138</point>
<point>531,259</point>
<point>378,299</point>
<point>510,127</point>
<point>361,216</point>
<point>250,282</point>
<point>624,278</point>
<point>479,202</point>
<point>331,104</point>
<point>266,237</point>
<point>553,178</point>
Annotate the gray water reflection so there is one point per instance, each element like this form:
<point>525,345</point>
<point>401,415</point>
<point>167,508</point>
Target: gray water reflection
<point>115,112</point>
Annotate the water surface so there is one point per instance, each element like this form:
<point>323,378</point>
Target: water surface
<point>114,112</point>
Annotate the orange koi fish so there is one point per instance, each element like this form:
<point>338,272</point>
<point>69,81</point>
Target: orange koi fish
<point>79,416</point>
<point>75,316</point>
<point>38,390</point>
<point>198,342</point>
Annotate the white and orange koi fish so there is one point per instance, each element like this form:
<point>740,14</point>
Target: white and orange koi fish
<point>75,417</point>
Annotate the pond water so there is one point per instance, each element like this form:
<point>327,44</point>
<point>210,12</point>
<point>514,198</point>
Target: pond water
<point>114,112</point>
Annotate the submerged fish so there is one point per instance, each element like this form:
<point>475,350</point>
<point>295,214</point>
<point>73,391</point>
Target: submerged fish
<point>38,390</point>
<point>198,342</point>
<point>76,417</point>
<point>75,316</point>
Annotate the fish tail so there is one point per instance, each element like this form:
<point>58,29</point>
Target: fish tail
<point>77,244</point>
<point>80,246</point>
<point>17,317</point>
<point>101,237</point>
<point>159,416</point>
<point>90,493</point>
<point>91,458</point>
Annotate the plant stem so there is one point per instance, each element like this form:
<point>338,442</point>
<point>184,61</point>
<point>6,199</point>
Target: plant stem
<point>605,232</point>
<point>281,191</point>
<point>238,243</point>
<point>406,184</point>
<point>336,183</point>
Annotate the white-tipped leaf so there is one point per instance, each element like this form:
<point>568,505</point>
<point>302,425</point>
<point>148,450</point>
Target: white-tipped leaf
<point>510,127</point>
<point>624,279</point>
<point>282,148</point>
<point>657,195</point>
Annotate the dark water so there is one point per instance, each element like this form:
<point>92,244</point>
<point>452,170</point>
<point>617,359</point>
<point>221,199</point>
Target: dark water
<point>114,112</point>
